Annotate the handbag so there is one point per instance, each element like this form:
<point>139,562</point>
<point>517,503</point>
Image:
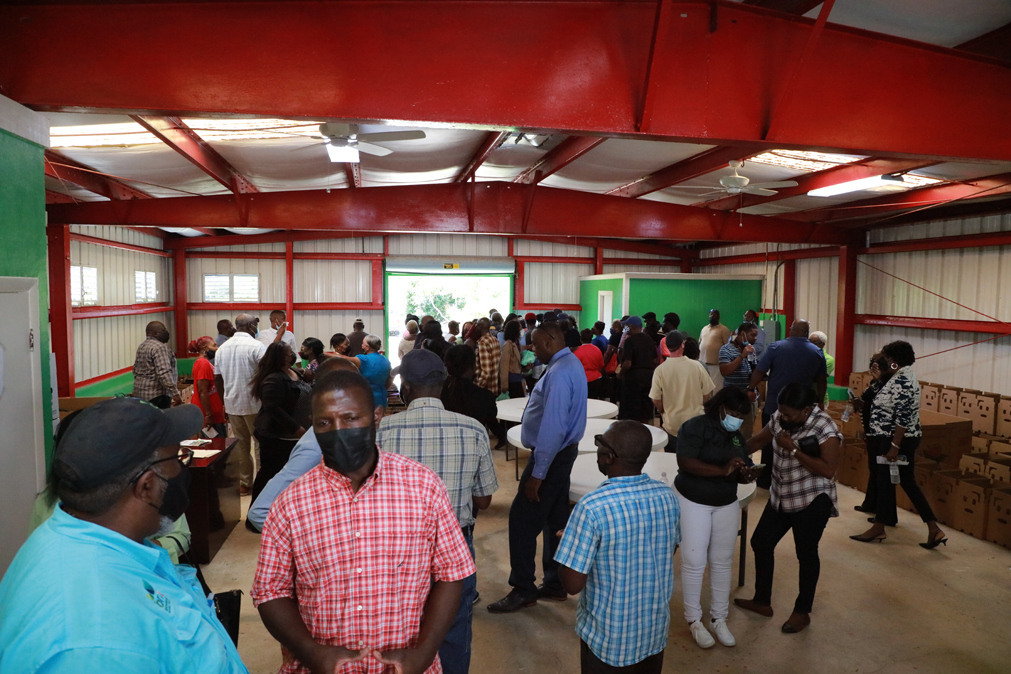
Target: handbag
<point>809,445</point>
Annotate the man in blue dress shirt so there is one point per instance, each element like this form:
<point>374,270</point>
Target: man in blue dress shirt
<point>553,424</point>
<point>87,593</point>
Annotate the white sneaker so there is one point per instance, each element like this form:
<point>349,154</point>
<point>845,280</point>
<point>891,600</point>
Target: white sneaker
<point>702,636</point>
<point>723,635</point>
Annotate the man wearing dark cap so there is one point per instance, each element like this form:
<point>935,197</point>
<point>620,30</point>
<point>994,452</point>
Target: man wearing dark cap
<point>457,449</point>
<point>87,592</point>
<point>356,337</point>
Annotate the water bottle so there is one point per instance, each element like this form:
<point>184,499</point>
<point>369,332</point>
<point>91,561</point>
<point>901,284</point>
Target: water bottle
<point>848,412</point>
<point>893,473</point>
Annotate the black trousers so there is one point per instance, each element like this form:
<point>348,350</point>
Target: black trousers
<point>886,511</point>
<point>870,503</point>
<point>528,519</point>
<point>161,402</point>
<point>591,664</point>
<point>672,444</point>
<point>765,479</point>
<point>516,389</point>
<point>274,453</point>
<point>808,526</point>
<point>635,403</point>
<point>595,389</point>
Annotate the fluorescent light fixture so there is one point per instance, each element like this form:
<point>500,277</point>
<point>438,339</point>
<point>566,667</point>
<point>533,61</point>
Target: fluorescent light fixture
<point>339,153</point>
<point>858,185</point>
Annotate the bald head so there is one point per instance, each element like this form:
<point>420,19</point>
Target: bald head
<point>157,330</point>
<point>631,444</point>
<point>800,328</point>
<point>333,365</point>
<point>245,323</point>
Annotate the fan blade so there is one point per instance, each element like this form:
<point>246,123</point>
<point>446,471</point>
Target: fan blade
<point>375,150</point>
<point>388,136</point>
<point>696,187</point>
<point>713,193</point>
<point>750,189</point>
<point>777,185</point>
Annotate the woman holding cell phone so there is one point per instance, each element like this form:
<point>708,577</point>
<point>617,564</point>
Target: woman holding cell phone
<point>712,460</point>
<point>802,497</point>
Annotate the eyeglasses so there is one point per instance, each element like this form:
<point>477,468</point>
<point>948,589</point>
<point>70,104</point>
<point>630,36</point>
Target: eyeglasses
<point>184,457</point>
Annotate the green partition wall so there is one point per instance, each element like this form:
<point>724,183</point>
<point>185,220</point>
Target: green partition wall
<point>693,296</point>
<point>588,293</point>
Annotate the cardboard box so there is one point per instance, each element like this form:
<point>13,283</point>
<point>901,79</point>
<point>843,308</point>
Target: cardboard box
<point>68,405</point>
<point>997,447</point>
<point>966,405</point>
<point>980,444</point>
<point>998,469</point>
<point>945,438</point>
<point>984,416</point>
<point>852,469</point>
<point>930,397</point>
<point>998,518</point>
<point>944,485</point>
<point>974,463</point>
<point>1003,416</point>
<point>949,402</point>
<point>969,507</point>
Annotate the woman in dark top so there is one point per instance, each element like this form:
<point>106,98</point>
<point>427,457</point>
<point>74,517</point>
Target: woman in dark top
<point>712,460</point>
<point>312,352</point>
<point>638,360</point>
<point>277,428</point>
<point>863,406</point>
<point>895,433</point>
<point>461,395</point>
<point>433,340</point>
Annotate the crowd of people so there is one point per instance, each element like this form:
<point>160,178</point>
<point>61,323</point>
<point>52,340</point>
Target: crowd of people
<point>367,511</point>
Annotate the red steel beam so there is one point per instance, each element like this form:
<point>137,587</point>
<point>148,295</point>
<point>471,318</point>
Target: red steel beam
<point>922,198</point>
<point>790,291</point>
<point>592,83</point>
<point>57,198</point>
<point>251,239</point>
<point>353,171</point>
<point>174,132</point>
<point>180,296</point>
<point>693,167</point>
<point>117,244</point>
<point>845,312</point>
<point>986,327</point>
<point>492,208</point>
<point>797,7</point>
<point>490,143</point>
<point>102,377</point>
<point>289,282</point>
<point>60,317</point>
<point>566,152</point>
<point>995,44</point>
<point>121,310</point>
<point>598,260</point>
<point>610,244</point>
<point>941,243</point>
<point>867,168</point>
<point>67,170</point>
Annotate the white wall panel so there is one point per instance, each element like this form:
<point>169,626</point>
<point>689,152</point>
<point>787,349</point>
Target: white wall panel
<point>986,367</point>
<point>767,269</point>
<point>116,269</point>
<point>333,281</point>
<point>449,244</point>
<point>104,345</point>
<point>982,224</point>
<point>553,283</point>
<point>271,274</point>
<point>121,234</point>
<point>323,324</point>
<point>817,293</point>
<point>608,252</point>
<point>752,249</point>
<point>249,248</point>
<point>371,244</point>
<point>640,269</point>
<point>523,247</point>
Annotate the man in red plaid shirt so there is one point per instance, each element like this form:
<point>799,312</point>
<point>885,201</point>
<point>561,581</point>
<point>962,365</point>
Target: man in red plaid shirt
<point>362,560</point>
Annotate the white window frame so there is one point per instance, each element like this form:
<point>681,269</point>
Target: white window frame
<point>77,273</point>
<point>231,289</point>
<point>150,292</point>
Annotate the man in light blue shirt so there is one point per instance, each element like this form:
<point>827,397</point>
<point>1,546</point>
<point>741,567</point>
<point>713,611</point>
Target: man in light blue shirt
<point>305,456</point>
<point>553,424</point>
<point>618,552</point>
<point>87,593</point>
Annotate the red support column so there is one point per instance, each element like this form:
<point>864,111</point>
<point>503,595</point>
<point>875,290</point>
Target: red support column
<point>289,283</point>
<point>518,281</point>
<point>686,265</point>
<point>790,292</point>
<point>847,310</point>
<point>377,283</point>
<point>182,327</point>
<point>60,316</point>
<point>598,261</point>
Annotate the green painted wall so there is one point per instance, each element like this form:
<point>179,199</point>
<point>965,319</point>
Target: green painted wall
<point>693,298</point>
<point>123,384</point>
<point>23,241</point>
<point>588,300</point>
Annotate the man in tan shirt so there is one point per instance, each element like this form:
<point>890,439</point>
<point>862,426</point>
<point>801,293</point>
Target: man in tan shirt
<point>712,339</point>
<point>680,387</point>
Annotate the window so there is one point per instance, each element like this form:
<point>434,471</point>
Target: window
<point>231,288</point>
<point>83,286</point>
<point>146,286</point>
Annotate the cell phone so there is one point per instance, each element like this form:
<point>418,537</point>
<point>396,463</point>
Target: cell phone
<point>759,466</point>
<point>851,394</point>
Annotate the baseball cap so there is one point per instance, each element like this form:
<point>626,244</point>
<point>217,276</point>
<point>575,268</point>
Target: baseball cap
<point>107,439</point>
<point>649,316</point>
<point>530,316</point>
<point>633,321</point>
<point>422,367</point>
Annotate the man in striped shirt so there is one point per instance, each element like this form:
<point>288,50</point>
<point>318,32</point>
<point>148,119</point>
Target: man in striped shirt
<point>457,449</point>
<point>155,376</point>
<point>617,550</point>
<point>489,353</point>
<point>737,360</point>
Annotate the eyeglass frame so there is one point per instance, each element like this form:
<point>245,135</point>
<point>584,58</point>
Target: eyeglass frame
<point>184,456</point>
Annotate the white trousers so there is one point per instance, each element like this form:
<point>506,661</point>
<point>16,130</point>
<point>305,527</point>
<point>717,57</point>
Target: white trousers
<point>716,376</point>
<point>708,534</point>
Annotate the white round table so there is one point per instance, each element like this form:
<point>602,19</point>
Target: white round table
<point>585,477</point>
<point>593,427</point>
<point>512,409</point>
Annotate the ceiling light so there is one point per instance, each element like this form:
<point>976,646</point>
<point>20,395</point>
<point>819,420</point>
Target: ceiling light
<point>858,185</point>
<point>342,153</point>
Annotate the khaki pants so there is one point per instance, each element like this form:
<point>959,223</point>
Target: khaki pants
<point>240,460</point>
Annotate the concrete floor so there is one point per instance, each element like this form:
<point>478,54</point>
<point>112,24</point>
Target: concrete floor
<point>889,608</point>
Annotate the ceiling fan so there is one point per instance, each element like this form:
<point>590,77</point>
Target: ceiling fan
<point>737,184</point>
<point>343,142</point>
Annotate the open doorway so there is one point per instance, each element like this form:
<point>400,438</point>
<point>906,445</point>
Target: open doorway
<point>447,297</point>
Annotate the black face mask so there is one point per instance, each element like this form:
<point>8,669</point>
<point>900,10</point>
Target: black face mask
<point>176,498</point>
<point>347,449</point>
<point>790,426</point>
<point>209,356</point>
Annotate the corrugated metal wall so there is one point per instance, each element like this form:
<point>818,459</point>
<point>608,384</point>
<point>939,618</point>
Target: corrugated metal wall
<point>103,345</point>
<point>817,293</point>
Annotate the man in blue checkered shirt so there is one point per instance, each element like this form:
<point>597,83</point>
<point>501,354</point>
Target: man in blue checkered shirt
<point>618,550</point>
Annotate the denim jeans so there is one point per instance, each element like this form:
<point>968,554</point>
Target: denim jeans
<point>455,649</point>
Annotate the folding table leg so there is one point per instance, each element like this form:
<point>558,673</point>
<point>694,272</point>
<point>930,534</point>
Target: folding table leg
<point>744,546</point>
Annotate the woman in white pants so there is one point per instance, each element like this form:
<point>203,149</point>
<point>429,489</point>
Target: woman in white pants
<point>712,460</point>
